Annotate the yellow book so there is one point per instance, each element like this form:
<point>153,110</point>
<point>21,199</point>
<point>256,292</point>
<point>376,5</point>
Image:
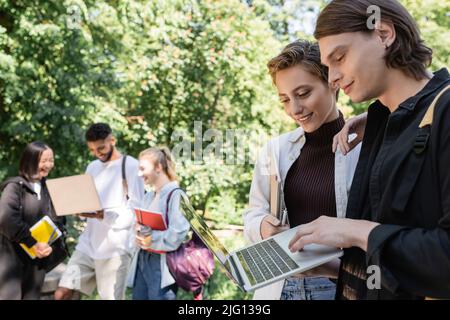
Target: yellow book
<point>44,230</point>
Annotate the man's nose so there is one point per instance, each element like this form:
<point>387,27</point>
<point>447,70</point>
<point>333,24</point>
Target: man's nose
<point>334,76</point>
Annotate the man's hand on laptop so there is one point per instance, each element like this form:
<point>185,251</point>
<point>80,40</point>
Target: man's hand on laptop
<point>334,232</point>
<point>271,226</point>
<point>97,215</point>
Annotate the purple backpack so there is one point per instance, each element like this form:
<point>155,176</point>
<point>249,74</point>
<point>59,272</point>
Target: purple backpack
<point>192,264</point>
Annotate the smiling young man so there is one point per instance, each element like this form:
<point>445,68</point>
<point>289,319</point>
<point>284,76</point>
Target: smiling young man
<point>103,254</point>
<point>398,214</point>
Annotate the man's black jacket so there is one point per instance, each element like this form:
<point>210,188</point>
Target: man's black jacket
<point>408,192</point>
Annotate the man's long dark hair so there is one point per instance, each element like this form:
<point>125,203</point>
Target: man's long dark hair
<point>408,52</point>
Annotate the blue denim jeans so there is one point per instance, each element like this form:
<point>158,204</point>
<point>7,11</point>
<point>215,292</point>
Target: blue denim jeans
<point>147,282</point>
<point>316,288</point>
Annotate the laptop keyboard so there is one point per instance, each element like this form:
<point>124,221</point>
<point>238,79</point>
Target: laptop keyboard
<point>265,260</point>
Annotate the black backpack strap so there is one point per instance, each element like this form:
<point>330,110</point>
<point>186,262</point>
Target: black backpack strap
<point>415,164</point>
<point>169,196</point>
<point>124,176</point>
<point>423,135</point>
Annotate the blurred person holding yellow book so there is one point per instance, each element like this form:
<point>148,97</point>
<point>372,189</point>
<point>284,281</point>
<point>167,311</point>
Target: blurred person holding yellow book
<point>43,231</point>
<point>23,203</point>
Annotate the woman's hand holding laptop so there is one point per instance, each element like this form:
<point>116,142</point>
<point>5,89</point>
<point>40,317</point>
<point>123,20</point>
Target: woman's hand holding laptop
<point>270,226</point>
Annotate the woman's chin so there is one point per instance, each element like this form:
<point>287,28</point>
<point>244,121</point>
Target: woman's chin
<point>308,128</point>
<point>43,175</point>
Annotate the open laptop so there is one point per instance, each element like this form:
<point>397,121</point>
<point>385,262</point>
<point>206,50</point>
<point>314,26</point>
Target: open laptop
<point>74,194</point>
<point>262,263</point>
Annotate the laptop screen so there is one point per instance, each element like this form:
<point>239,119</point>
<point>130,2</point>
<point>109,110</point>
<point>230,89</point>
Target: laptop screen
<point>203,231</point>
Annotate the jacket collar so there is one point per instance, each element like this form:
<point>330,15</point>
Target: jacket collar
<point>295,135</point>
<point>440,78</point>
<point>168,187</point>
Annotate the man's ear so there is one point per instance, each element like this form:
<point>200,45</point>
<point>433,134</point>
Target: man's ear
<point>385,31</point>
<point>113,140</point>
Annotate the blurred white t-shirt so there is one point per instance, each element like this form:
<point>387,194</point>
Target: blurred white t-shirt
<point>111,236</point>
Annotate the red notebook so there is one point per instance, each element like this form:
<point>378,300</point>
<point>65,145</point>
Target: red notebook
<point>150,219</point>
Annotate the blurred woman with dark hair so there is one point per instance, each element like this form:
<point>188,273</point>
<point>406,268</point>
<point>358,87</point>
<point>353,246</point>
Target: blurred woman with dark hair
<point>24,201</point>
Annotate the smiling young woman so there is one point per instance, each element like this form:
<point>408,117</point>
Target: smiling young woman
<point>314,180</point>
<point>24,201</point>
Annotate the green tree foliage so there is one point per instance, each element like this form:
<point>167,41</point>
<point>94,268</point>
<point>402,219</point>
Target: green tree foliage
<point>149,68</point>
<point>152,68</point>
<point>53,79</point>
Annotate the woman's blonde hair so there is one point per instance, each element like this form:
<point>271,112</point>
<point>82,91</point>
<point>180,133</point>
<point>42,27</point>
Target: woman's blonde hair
<point>162,156</point>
